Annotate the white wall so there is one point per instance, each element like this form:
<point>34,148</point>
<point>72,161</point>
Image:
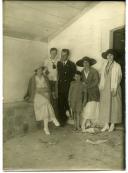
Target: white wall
<point>20,59</point>
<point>89,35</point>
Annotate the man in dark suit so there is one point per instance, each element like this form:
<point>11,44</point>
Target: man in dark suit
<point>66,70</point>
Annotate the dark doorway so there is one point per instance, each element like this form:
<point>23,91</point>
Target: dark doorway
<point>119,46</point>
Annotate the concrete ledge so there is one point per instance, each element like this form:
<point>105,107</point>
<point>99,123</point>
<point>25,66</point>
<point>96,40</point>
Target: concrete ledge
<point>18,119</point>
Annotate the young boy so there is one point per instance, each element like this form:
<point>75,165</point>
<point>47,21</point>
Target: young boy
<point>75,98</point>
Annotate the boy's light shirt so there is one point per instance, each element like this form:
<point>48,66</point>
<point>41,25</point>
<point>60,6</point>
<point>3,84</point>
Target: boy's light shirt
<point>52,72</point>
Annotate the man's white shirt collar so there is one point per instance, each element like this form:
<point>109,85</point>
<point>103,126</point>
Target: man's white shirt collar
<point>65,62</point>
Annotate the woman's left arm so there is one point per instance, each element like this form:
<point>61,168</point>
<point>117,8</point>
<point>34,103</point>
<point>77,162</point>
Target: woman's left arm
<point>118,80</point>
<point>119,75</point>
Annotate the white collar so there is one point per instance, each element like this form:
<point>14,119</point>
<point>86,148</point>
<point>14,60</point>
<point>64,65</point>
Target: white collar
<point>65,62</point>
<point>86,73</point>
<point>53,60</point>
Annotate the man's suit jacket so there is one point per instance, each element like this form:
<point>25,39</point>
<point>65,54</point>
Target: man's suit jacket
<point>65,75</point>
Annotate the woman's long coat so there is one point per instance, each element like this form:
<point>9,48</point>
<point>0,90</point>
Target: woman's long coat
<point>91,84</point>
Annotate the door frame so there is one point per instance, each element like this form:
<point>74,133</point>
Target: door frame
<point>111,35</point>
<point>124,82</point>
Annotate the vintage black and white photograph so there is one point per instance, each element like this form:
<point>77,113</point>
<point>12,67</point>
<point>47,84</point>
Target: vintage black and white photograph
<point>63,85</point>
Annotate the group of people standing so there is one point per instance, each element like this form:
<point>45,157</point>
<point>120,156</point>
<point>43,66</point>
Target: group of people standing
<point>59,90</point>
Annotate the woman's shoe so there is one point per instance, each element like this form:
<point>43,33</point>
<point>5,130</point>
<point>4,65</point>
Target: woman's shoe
<point>75,129</point>
<point>83,130</point>
<point>46,131</point>
<point>105,128</point>
<point>56,122</point>
<point>112,127</point>
<point>88,124</point>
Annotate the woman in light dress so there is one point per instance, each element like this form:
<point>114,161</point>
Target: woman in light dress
<point>39,92</point>
<point>42,106</point>
<point>110,92</point>
<point>90,78</point>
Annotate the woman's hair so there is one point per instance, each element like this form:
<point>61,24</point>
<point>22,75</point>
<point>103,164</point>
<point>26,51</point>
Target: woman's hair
<point>43,67</point>
<point>88,62</point>
<point>112,52</point>
<point>53,49</point>
<point>66,50</point>
<point>78,73</point>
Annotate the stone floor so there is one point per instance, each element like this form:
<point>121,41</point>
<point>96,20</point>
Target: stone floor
<point>64,150</point>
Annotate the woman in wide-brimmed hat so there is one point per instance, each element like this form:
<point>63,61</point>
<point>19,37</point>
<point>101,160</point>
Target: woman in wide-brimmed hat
<point>110,91</point>
<point>39,92</point>
<point>90,78</point>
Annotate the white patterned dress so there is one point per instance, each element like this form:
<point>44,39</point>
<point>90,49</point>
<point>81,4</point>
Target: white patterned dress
<point>42,106</point>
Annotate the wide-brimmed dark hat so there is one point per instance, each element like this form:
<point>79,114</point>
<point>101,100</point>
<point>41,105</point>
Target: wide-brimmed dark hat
<point>109,51</point>
<point>90,60</point>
